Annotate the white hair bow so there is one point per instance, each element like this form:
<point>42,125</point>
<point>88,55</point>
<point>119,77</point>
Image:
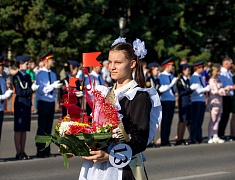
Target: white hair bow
<point>119,40</point>
<point>139,48</point>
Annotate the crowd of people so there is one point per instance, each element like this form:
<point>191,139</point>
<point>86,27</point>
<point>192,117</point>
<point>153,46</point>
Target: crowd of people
<point>198,88</point>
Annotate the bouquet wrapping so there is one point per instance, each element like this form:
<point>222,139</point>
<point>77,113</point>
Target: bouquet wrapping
<point>75,134</point>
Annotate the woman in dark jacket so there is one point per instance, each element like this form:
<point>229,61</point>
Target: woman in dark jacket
<point>22,105</point>
<point>184,102</point>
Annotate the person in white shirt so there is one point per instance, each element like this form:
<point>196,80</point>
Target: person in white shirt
<point>4,94</point>
<point>46,93</point>
<point>198,99</point>
<point>227,81</point>
<point>168,89</point>
<point>106,74</point>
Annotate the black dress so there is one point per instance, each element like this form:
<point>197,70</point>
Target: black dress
<point>136,123</point>
<point>136,107</point>
<point>23,102</point>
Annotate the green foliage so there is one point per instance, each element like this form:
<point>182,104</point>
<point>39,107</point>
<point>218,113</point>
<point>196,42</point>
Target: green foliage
<point>196,30</point>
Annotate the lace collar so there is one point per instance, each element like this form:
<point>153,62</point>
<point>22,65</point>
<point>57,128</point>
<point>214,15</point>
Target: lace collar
<point>131,85</point>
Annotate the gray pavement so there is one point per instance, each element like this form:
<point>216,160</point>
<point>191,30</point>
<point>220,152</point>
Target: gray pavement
<point>200,161</point>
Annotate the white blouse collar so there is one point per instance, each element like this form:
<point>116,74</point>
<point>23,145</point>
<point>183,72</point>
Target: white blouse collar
<point>126,87</point>
<point>166,73</point>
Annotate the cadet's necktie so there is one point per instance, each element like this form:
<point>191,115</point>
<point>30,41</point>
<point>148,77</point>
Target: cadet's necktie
<point>200,78</point>
<point>99,79</point>
<point>49,76</point>
<point>172,88</point>
<point>1,93</point>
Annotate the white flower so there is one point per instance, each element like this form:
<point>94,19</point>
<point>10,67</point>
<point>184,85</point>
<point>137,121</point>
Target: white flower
<point>98,130</point>
<point>119,40</point>
<point>64,127</point>
<point>139,48</point>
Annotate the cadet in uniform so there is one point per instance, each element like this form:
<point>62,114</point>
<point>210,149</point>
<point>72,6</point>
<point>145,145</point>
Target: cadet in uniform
<point>184,102</point>
<point>168,89</point>
<point>46,93</point>
<point>198,103</point>
<point>22,105</point>
<point>153,80</point>
<point>4,94</point>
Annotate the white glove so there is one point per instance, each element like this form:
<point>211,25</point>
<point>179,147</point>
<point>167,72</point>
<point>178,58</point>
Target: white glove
<point>194,86</point>
<point>34,86</point>
<point>207,88</point>
<point>174,80</point>
<point>163,88</point>
<point>57,84</point>
<point>6,95</point>
<point>79,93</point>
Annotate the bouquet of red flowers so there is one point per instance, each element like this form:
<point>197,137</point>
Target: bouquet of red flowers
<point>75,134</point>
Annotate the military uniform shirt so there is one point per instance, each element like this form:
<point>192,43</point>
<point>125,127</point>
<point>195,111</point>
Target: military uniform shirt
<point>226,79</point>
<point>45,92</point>
<point>164,79</point>
<point>198,94</point>
<point>3,89</point>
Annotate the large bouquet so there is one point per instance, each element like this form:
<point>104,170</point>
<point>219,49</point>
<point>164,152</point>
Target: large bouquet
<point>75,134</point>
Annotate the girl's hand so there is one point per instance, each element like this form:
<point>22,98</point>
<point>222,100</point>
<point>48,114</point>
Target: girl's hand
<point>97,156</point>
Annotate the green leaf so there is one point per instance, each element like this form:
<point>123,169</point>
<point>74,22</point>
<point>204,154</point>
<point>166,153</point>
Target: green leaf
<point>42,139</point>
<point>66,162</point>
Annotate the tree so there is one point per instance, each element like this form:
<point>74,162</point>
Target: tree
<point>199,29</point>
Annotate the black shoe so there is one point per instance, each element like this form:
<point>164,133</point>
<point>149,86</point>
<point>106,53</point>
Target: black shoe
<point>157,145</point>
<point>150,145</point>
<point>186,143</point>
<point>25,156</point>
<point>2,160</point>
<point>167,144</point>
<point>49,155</point>
<point>179,143</point>
<point>18,156</point>
<point>232,138</point>
<point>40,155</point>
<point>192,142</point>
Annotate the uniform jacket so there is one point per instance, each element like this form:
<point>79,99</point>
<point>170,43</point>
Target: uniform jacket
<point>3,90</point>
<point>153,82</point>
<point>184,91</point>
<point>22,84</point>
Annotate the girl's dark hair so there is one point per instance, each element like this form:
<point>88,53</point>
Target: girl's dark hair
<point>128,51</point>
<point>69,67</point>
<point>17,64</point>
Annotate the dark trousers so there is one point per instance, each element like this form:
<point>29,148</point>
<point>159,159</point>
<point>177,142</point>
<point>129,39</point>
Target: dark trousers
<point>1,120</point>
<point>227,104</point>
<point>198,112</point>
<point>168,109</point>
<point>46,112</point>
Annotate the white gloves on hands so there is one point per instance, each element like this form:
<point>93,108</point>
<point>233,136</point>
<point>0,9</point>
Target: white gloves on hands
<point>174,80</point>
<point>79,93</point>
<point>7,94</point>
<point>34,86</point>
<point>194,86</point>
<point>207,88</point>
<point>163,88</point>
<point>57,84</point>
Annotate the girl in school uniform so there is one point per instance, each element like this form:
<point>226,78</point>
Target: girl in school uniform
<point>139,108</point>
<point>22,106</point>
